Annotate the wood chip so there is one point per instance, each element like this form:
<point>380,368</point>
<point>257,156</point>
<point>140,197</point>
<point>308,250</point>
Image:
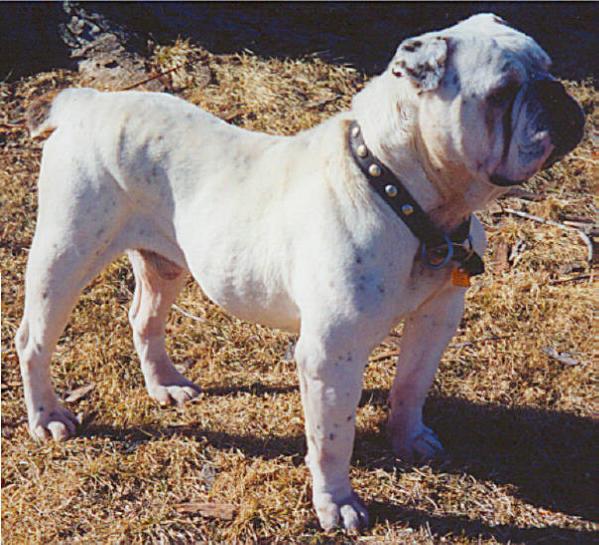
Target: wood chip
<point>79,393</point>
<point>575,266</point>
<point>516,252</point>
<point>224,511</point>
<point>562,357</point>
<point>501,262</point>
<point>289,356</point>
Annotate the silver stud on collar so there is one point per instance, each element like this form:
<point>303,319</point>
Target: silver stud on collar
<point>407,209</point>
<point>362,151</point>
<point>355,131</point>
<point>374,170</point>
<point>391,190</point>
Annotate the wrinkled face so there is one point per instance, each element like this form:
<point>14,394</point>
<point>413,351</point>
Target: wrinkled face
<point>487,100</point>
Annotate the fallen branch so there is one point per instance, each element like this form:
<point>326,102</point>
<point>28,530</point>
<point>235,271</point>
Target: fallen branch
<point>22,149</point>
<point>538,219</point>
<point>152,78</point>
<point>384,356</point>
<point>578,278</point>
<point>477,341</point>
<point>224,511</point>
<point>394,353</point>
<point>576,219</point>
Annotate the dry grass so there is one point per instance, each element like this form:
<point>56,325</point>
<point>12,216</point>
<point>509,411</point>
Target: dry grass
<point>517,424</point>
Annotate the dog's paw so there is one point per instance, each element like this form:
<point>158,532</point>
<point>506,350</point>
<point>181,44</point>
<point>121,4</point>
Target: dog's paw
<point>52,421</point>
<point>175,391</point>
<point>348,513</point>
<point>419,446</point>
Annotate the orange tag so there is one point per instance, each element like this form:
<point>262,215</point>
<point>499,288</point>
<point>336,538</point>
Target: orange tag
<point>459,277</point>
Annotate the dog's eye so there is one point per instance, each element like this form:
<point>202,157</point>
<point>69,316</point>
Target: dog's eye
<point>503,94</point>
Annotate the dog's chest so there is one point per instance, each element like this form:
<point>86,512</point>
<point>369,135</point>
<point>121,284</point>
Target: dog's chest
<point>422,285</point>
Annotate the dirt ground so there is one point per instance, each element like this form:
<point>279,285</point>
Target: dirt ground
<point>513,401</point>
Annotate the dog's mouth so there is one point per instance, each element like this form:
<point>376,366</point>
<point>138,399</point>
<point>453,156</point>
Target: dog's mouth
<point>541,124</point>
<point>498,179</point>
<point>502,181</point>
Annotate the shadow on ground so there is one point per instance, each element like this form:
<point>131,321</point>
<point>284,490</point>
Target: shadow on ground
<point>547,456</point>
<point>454,526</point>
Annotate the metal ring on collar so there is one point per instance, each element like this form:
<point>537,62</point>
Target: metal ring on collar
<point>446,259</point>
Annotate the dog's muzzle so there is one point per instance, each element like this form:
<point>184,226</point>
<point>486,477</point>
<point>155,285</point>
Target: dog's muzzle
<point>553,111</point>
<point>562,115</point>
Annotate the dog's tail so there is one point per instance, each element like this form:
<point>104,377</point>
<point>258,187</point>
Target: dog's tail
<point>46,113</point>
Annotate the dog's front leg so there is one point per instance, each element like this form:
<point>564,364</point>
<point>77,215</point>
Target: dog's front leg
<point>426,334</point>
<point>330,375</point>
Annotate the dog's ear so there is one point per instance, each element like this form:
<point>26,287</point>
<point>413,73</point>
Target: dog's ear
<point>421,59</point>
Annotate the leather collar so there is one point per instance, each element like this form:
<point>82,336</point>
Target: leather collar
<point>437,248</point>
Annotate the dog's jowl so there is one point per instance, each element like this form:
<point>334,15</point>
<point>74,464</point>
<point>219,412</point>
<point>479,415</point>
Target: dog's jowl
<point>337,233</point>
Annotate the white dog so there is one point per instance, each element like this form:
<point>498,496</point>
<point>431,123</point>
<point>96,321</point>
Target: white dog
<point>294,232</point>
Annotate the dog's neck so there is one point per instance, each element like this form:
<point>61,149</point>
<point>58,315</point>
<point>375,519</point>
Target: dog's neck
<point>389,125</point>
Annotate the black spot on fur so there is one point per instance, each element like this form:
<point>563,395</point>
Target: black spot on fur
<point>412,46</point>
<point>332,436</point>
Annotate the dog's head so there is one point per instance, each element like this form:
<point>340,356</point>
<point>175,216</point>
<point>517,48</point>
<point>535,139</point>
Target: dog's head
<point>485,98</point>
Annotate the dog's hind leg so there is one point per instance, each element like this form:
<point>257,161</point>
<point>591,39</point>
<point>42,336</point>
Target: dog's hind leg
<point>157,284</point>
<point>60,264</point>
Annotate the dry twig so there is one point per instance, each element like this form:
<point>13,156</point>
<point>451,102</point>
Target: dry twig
<point>538,219</point>
<point>188,314</point>
<point>562,357</point>
<point>152,78</point>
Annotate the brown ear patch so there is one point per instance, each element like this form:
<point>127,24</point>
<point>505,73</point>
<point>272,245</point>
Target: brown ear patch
<point>422,59</point>
<point>38,113</point>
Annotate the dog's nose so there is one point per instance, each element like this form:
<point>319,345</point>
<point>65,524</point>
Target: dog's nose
<point>563,116</point>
